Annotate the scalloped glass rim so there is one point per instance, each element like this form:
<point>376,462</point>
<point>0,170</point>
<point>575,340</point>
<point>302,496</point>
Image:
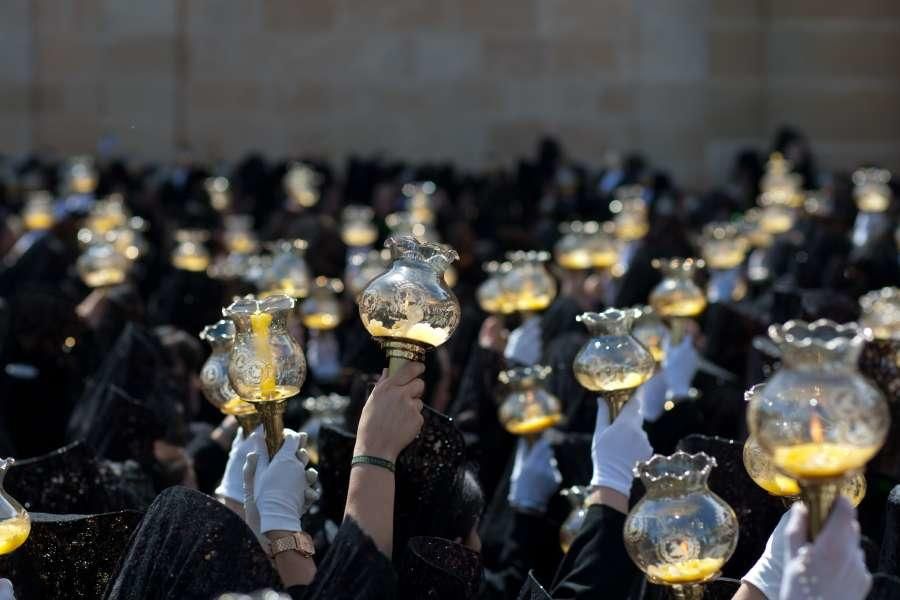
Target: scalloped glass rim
<point>874,298</point>
<point>681,465</point>
<point>802,334</point>
<point>610,315</point>
<point>425,249</point>
<point>252,306</point>
<point>522,373</point>
<point>220,331</point>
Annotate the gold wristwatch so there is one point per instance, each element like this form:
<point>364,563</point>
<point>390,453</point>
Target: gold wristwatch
<point>298,541</point>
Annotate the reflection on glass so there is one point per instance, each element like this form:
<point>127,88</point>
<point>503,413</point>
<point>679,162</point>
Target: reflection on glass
<point>527,408</point>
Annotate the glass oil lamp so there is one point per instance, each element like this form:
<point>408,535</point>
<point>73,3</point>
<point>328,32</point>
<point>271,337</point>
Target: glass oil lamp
<point>409,308</point>
<point>266,365</point>
<point>214,376</point>
<point>650,331</point>
<point>680,533</point>
<point>612,363</point>
<point>363,267</point>
<point>762,471</point>
<point>419,200</point>
<point>238,235</point>
<point>301,182</point>
<point>357,228</point>
<point>190,252</point>
<point>219,191</point>
<point>881,313</point>
<point>529,282</point>
<point>630,213</point>
<point>871,190</point>
<point>586,245</point>
<point>577,496</point>
<point>15,524</point>
<point>107,214</point>
<point>323,410</point>
<point>817,418</point>
<point>81,175</point>
<point>321,311</point>
<point>677,298</point>
<point>405,223</point>
<point>492,296</point>
<point>723,246</point>
<point>37,215</point>
<point>527,408</point>
<point>288,273</point>
<point>100,265</point>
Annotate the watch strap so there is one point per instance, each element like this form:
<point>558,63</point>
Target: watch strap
<point>298,541</point>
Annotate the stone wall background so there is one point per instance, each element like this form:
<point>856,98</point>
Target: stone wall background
<point>476,81</point>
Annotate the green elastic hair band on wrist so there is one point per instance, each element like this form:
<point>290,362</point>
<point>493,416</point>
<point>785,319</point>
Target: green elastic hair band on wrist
<point>364,459</point>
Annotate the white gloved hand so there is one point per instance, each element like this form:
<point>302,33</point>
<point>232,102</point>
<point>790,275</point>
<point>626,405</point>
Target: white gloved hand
<point>524,345</point>
<point>766,573</point>
<point>6,590</point>
<point>721,285</point>
<point>232,484</point>
<point>679,366</point>
<point>535,476</point>
<point>616,448</point>
<point>833,566</point>
<point>868,226</point>
<point>277,494</point>
<point>323,353</point>
<point>651,396</point>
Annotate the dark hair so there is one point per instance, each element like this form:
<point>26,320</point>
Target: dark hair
<point>457,511</point>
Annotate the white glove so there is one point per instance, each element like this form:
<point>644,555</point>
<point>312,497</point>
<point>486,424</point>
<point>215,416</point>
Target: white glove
<point>277,494</point>
<point>323,354</point>
<point>679,366</point>
<point>766,574</point>
<point>721,284</point>
<point>524,345</point>
<point>232,484</point>
<point>833,566</point>
<point>6,590</point>
<point>867,227</point>
<point>616,448</point>
<point>651,396</point>
<point>535,477</point>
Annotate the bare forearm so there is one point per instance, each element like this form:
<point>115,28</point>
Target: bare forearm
<point>370,502</point>
<point>748,592</point>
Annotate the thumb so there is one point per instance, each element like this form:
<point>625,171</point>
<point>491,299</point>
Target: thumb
<point>795,531</point>
<point>249,473</point>
<point>631,411</point>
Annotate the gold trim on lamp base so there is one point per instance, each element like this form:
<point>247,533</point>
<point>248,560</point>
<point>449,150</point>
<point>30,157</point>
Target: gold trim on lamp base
<point>691,591</point>
<point>271,414</point>
<point>399,352</point>
<point>248,423</point>
<point>819,496</point>
<point>616,401</point>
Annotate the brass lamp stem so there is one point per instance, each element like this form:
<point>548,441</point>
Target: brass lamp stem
<point>616,400</point>
<point>691,591</point>
<point>271,413</point>
<point>819,498</point>
<point>248,423</point>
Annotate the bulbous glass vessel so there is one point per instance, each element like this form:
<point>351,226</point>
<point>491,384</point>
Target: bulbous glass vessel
<point>265,362</point>
<point>323,410</point>
<point>363,267</point>
<point>101,266</point>
<point>680,533</point>
<point>409,308</point>
<point>107,214</point>
<point>630,213</point>
<point>190,253</point>
<point>301,182</point>
<point>419,200</point>
<point>238,236</point>
<point>527,408</point>
<point>37,215</point>
<point>15,524</point>
<point>322,309</point>
<point>288,273</point>
<point>586,245</point>
<point>677,295</point>
<point>529,282</point>
<point>871,190</point>
<point>612,362</point>
<point>357,228</point>
<point>817,417</point>
<point>650,331</point>
<point>214,373</point>
<point>492,297</point>
<point>724,247</point>
<point>881,313</point>
<point>81,175</point>
<point>577,496</point>
<point>219,191</point>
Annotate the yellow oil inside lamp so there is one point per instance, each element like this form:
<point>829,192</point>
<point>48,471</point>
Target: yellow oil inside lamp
<point>529,282</point>
<point>357,228</point>
<point>38,212</point>
<point>321,310</point>
<point>190,254</point>
<point>528,408</point>
<point>15,524</point>
<point>872,193</point>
